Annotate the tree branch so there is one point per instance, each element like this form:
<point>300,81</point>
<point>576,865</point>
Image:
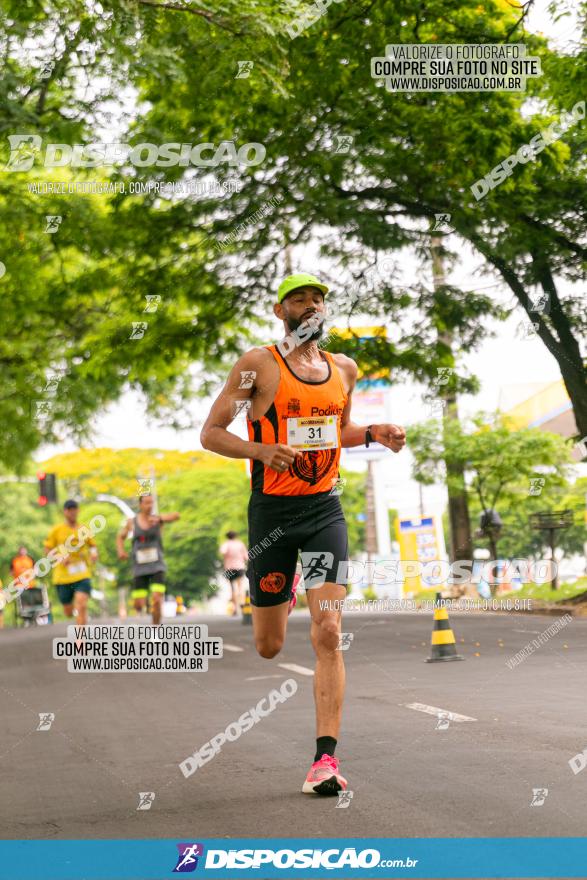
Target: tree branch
<point>556,235</point>
<point>58,66</point>
<point>526,9</point>
<point>557,315</point>
<point>203,13</point>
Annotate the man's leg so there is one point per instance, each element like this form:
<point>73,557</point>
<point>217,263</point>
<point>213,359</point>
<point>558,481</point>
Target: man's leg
<point>81,597</point>
<point>157,608</point>
<point>270,576</point>
<point>329,678</point>
<point>269,627</point>
<point>322,552</point>
<point>140,593</point>
<point>80,604</point>
<point>235,597</point>
<point>239,585</point>
<point>157,598</point>
<point>65,593</point>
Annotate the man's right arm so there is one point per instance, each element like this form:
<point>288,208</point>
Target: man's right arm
<point>214,435</point>
<point>120,538</point>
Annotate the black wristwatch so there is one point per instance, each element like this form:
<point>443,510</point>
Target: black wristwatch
<point>369,436</point>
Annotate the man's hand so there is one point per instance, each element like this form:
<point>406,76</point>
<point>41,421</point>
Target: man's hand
<point>122,555</point>
<point>391,436</point>
<point>278,456</point>
<point>93,555</point>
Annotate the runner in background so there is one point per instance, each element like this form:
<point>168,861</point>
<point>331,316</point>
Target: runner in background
<point>235,558</point>
<point>71,575</point>
<point>147,555</point>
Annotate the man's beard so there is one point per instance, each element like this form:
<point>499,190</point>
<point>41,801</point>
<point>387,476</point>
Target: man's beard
<point>294,324</point>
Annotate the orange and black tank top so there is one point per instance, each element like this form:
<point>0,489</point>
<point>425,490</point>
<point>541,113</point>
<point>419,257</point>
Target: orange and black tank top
<point>305,415</point>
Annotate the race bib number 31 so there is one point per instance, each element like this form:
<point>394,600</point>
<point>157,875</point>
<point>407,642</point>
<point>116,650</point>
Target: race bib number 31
<point>315,432</point>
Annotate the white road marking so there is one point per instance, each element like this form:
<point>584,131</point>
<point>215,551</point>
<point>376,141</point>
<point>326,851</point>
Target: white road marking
<point>261,677</point>
<point>293,667</point>
<point>234,648</point>
<point>535,632</point>
<point>434,710</point>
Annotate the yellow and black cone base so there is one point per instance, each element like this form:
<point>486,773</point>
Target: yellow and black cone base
<point>247,609</point>
<point>443,643</point>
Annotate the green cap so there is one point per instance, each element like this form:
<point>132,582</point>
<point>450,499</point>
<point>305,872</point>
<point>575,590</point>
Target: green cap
<point>292,282</point>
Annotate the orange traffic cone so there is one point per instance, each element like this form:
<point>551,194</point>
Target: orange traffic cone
<point>443,640</point>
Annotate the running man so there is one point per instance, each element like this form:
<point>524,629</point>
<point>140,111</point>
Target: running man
<point>71,575</point>
<point>235,557</point>
<point>298,401</point>
<point>147,555</point>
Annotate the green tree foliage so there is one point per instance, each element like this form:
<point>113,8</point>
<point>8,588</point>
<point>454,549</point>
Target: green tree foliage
<point>407,158</point>
<point>210,494</point>
<point>22,521</point>
<point>72,297</point>
<point>503,467</point>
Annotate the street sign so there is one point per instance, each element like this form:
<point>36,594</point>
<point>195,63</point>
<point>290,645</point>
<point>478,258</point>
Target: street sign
<point>420,541</point>
<point>370,407</point>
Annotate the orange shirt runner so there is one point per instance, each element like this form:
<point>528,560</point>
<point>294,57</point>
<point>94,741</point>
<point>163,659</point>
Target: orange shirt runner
<point>305,415</point>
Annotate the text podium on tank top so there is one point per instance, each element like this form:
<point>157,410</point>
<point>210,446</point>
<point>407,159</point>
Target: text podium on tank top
<point>147,549</point>
<point>304,415</point>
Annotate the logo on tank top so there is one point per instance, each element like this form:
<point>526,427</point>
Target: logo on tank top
<point>293,406</point>
<point>331,410</point>
<point>312,465</point>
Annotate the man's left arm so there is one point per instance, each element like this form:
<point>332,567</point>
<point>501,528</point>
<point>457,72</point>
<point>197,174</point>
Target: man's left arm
<point>168,517</point>
<point>352,434</point>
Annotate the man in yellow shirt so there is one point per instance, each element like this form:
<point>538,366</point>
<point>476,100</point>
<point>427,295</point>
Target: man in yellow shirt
<point>71,575</point>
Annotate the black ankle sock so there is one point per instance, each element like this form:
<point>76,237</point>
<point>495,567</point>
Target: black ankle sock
<point>325,745</point>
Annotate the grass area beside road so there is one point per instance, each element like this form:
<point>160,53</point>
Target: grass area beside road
<point>537,592</point>
<point>544,593</point>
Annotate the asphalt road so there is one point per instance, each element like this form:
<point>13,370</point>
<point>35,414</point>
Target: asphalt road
<point>115,735</point>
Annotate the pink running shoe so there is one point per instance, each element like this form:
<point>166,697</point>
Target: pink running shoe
<point>294,590</point>
<point>324,777</point>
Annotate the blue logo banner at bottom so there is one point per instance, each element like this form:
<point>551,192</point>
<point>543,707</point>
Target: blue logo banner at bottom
<point>268,858</point>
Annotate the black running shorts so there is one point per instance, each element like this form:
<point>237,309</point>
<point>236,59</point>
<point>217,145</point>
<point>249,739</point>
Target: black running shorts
<point>154,581</point>
<point>282,525</point>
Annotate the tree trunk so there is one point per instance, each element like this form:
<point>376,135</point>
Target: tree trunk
<point>461,544</point>
<point>371,526</point>
<point>564,349</point>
